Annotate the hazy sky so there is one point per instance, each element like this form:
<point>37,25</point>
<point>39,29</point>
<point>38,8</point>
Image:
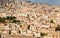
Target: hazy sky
<point>50,2</point>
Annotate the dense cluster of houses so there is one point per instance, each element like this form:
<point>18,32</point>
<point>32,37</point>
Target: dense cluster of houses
<point>37,20</point>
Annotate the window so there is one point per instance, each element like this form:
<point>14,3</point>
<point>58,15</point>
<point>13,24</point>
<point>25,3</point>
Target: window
<point>9,32</point>
<point>19,31</point>
<point>5,24</point>
<point>28,27</point>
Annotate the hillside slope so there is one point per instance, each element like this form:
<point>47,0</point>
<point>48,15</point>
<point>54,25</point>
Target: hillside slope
<point>35,18</point>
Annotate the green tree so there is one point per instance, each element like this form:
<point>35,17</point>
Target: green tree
<point>2,20</point>
<point>56,11</point>
<point>42,34</point>
<point>10,17</point>
<point>15,21</point>
<point>51,21</point>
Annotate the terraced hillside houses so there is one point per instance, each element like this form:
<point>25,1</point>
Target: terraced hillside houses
<point>35,20</point>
